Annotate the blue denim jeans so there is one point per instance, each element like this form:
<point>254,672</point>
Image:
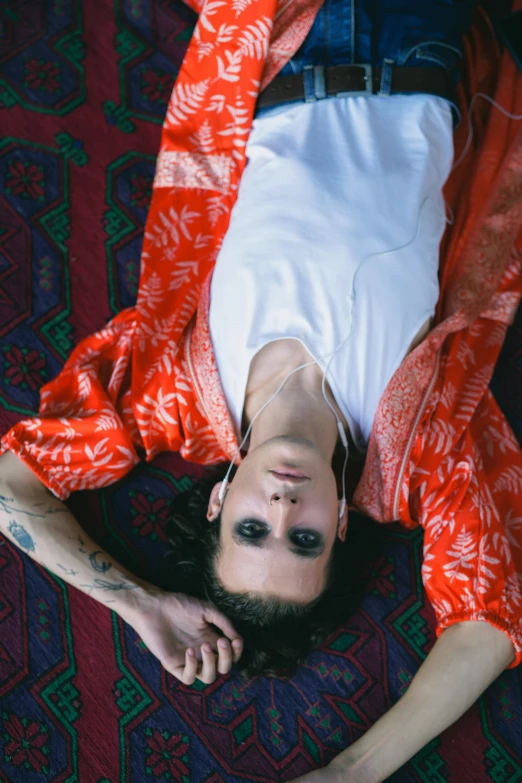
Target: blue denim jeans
<point>383,33</point>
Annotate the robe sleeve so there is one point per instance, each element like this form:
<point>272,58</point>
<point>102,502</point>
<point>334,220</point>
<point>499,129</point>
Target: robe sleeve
<point>469,570</point>
<point>85,435</point>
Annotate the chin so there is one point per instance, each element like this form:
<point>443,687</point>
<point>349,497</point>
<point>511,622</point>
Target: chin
<point>293,442</point>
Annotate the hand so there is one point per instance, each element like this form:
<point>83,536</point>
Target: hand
<point>178,630</point>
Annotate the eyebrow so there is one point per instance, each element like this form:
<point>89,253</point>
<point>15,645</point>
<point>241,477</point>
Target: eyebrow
<point>309,554</point>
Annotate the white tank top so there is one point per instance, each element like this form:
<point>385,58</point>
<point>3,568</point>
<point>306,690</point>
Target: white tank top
<point>325,185</point>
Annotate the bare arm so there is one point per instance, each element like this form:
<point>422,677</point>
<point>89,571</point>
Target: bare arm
<point>43,527</point>
<point>463,662</point>
<point>178,629</point>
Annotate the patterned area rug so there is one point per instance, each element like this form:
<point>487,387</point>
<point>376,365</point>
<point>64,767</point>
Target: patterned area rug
<point>83,89</point>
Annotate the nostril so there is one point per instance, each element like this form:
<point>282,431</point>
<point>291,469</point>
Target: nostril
<point>293,501</point>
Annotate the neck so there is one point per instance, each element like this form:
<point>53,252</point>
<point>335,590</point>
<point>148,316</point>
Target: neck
<point>298,411</point>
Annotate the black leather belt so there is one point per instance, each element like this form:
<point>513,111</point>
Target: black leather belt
<point>356,80</point>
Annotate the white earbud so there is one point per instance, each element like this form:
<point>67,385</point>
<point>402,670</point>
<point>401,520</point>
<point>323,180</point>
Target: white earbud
<point>222,490</point>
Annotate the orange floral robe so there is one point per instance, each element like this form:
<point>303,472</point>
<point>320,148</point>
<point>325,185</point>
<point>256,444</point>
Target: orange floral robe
<point>441,454</point>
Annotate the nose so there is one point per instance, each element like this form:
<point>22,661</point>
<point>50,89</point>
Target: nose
<point>283,510</point>
<point>283,500</point>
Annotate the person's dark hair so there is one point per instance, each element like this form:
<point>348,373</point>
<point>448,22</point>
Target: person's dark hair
<point>277,634</point>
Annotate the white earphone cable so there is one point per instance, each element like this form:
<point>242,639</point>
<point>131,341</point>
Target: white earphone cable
<point>470,123</point>
<point>261,409</point>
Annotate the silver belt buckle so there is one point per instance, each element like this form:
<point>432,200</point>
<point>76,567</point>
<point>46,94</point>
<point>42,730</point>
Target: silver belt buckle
<point>368,80</point>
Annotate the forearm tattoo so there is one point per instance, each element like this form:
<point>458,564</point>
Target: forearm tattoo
<point>25,541</point>
<point>102,584</point>
<point>6,505</point>
<point>102,566</point>
<point>68,571</point>
<point>21,536</point>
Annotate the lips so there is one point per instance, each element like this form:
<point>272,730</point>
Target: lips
<point>289,474</point>
<point>285,470</point>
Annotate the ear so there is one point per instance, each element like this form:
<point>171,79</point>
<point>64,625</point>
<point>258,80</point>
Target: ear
<point>343,523</point>
<point>214,503</point>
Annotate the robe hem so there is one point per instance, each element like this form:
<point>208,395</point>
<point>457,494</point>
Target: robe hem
<point>496,620</point>
<point>10,442</point>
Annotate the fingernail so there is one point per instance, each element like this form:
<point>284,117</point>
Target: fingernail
<point>207,648</point>
<point>237,643</point>
<point>223,643</point>
<point>190,652</point>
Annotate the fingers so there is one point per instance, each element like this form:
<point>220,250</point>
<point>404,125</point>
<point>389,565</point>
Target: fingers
<point>237,648</point>
<point>228,654</point>
<point>208,669</point>
<point>224,656</point>
<point>214,616</point>
<point>187,673</point>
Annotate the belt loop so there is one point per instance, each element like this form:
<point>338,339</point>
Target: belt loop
<point>386,76</point>
<point>319,83</point>
<point>314,83</point>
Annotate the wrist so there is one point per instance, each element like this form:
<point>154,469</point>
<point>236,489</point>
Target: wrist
<point>137,602</point>
<point>383,748</point>
<point>356,765</point>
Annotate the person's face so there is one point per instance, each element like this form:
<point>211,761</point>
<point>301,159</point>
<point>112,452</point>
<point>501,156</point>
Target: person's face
<point>279,522</point>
